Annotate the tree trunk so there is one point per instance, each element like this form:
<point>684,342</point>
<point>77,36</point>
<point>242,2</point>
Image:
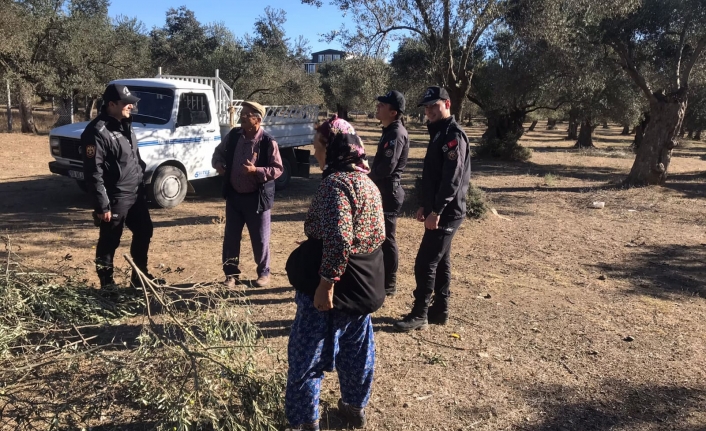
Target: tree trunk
<point>90,106</point>
<point>585,138</point>
<point>626,130</point>
<point>640,132</point>
<point>532,126</point>
<point>572,132</point>
<point>690,134</point>
<point>342,112</point>
<point>655,152</point>
<point>503,126</point>
<point>551,123</point>
<point>605,124</point>
<point>26,96</point>
<point>458,97</point>
<point>697,135</point>
<point>682,131</point>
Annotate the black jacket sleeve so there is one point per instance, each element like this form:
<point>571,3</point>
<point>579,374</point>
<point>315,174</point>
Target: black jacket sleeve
<point>387,157</point>
<point>94,156</point>
<point>451,171</point>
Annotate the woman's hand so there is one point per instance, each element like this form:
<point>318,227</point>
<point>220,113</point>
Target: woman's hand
<point>323,298</point>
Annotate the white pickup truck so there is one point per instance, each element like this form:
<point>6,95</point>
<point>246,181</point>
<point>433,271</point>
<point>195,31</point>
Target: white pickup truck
<point>178,122</point>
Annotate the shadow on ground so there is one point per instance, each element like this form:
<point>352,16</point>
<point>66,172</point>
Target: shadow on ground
<point>619,405</point>
<point>663,271</point>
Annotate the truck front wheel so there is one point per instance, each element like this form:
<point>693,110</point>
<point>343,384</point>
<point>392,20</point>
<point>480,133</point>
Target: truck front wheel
<point>168,187</point>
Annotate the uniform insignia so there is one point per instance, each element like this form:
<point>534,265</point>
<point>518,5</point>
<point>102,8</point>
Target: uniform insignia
<point>445,148</point>
<point>436,136</point>
<point>90,151</point>
<point>453,143</point>
<point>389,152</point>
<point>452,155</point>
<point>391,143</point>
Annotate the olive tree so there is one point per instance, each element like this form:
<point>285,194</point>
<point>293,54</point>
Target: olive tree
<point>451,30</point>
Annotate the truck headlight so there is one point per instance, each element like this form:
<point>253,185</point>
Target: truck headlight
<point>54,146</point>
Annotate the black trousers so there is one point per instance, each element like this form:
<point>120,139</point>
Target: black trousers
<point>136,217</point>
<point>432,268</point>
<point>392,199</point>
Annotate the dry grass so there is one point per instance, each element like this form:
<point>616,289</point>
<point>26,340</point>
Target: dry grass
<point>542,302</point>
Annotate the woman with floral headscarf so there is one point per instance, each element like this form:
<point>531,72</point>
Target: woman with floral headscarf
<point>332,327</point>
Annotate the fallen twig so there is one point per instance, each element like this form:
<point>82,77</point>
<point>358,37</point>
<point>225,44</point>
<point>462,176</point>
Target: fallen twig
<point>438,344</point>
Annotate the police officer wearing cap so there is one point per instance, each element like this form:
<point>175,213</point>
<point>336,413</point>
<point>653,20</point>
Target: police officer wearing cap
<point>445,179</point>
<point>114,173</point>
<point>388,165</point>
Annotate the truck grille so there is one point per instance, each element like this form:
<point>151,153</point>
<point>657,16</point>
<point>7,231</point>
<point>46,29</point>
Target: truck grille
<point>71,149</point>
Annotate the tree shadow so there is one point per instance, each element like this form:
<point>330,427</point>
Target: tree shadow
<point>690,184</point>
<point>275,328</point>
<point>619,405</point>
<point>663,271</point>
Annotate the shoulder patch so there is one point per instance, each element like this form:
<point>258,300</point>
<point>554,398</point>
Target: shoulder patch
<point>90,151</point>
<point>453,144</point>
<point>389,152</point>
<point>452,155</point>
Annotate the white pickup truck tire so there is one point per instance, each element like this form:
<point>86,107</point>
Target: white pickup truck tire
<point>282,181</point>
<point>168,187</point>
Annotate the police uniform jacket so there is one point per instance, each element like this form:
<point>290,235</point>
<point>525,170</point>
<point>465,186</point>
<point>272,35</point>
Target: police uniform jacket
<point>447,170</point>
<point>112,166</point>
<point>390,159</point>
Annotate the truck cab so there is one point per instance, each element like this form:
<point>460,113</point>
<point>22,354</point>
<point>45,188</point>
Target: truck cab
<point>178,123</point>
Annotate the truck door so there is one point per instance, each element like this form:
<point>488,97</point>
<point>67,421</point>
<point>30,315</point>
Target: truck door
<point>195,136</point>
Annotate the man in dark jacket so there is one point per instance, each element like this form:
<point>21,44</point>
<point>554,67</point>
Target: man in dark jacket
<point>445,179</point>
<point>390,161</point>
<point>114,175</point>
<point>249,160</point>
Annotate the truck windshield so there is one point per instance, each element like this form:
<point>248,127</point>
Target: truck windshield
<point>155,105</point>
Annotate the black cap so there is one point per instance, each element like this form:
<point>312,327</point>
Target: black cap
<point>433,95</point>
<point>115,92</point>
<point>394,99</point>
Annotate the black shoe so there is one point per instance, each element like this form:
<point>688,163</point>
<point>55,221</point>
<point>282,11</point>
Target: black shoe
<point>411,322</point>
<point>107,282</point>
<point>438,316</point>
<point>355,417</point>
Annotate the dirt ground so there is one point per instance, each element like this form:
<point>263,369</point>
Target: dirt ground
<point>543,299</point>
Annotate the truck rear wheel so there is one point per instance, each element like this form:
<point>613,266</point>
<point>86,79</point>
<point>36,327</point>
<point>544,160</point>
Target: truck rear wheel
<point>168,187</point>
<point>282,182</point>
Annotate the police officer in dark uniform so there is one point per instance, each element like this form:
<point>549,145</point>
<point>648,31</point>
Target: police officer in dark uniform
<point>390,161</point>
<point>114,174</point>
<point>445,179</point>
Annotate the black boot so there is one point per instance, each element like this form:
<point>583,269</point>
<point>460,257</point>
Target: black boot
<point>438,313</point>
<point>390,284</point>
<point>107,281</point>
<point>105,275</point>
<point>417,319</point>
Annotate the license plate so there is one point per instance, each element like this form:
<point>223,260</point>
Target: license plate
<point>76,174</point>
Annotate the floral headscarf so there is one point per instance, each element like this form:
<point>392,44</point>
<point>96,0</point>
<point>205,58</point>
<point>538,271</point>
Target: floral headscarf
<point>344,150</point>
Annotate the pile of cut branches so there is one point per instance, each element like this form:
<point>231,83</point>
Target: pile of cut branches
<point>183,359</point>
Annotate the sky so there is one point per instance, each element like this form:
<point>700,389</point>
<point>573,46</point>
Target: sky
<point>239,16</point>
